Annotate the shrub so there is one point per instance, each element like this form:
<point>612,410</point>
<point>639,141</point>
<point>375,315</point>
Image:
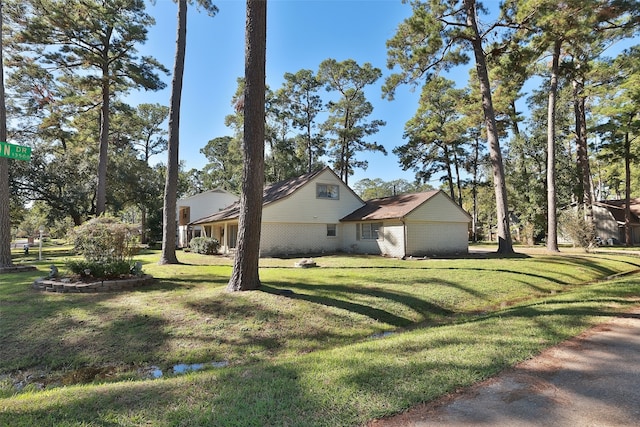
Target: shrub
<point>107,270</point>
<point>577,229</point>
<point>204,245</point>
<point>107,245</point>
<point>105,239</point>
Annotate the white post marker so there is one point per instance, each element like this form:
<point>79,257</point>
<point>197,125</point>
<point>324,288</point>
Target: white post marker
<point>40,251</point>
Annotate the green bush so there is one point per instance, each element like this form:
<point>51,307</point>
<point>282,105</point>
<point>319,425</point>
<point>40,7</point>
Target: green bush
<point>105,239</point>
<point>106,270</point>
<point>107,245</point>
<point>204,245</point>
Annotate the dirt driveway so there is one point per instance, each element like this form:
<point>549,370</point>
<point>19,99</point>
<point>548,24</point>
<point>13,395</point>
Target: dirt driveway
<point>591,380</point>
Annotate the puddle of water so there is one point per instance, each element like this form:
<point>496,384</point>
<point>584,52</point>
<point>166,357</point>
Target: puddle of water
<point>41,380</point>
<point>382,334</point>
<point>155,372</point>
<point>183,368</point>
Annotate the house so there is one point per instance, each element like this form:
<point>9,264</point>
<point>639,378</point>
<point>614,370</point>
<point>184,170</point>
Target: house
<point>197,206</point>
<point>418,224</point>
<point>608,217</point>
<point>318,213</point>
<point>299,216</point>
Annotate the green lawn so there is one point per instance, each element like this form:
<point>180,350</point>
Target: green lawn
<point>357,338</point>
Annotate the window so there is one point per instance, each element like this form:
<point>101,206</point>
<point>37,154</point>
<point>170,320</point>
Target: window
<point>332,230</point>
<point>327,191</point>
<point>369,230</point>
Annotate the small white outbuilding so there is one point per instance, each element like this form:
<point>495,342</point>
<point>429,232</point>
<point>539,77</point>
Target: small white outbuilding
<point>418,224</point>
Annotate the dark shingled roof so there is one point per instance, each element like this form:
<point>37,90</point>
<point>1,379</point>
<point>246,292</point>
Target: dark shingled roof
<point>271,193</point>
<point>390,207</point>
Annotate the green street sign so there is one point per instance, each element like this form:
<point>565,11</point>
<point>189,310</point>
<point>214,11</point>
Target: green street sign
<point>13,151</point>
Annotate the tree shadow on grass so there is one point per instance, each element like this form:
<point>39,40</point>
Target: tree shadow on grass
<point>442,362</point>
<point>246,330</point>
<point>171,284</point>
<point>131,338</point>
<point>420,306</point>
<point>342,387</point>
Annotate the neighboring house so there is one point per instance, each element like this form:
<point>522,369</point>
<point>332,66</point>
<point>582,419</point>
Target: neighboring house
<point>418,224</point>
<point>318,213</point>
<point>197,206</point>
<point>608,216</point>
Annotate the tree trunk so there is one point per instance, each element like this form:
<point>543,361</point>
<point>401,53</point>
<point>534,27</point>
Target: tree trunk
<point>446,156</point>
<point>505,244</point>
<point>5,219</point>
<point>101,196</point>
<point>245,267</point>
<point>627,190</point>
<point>513,113</point>
<point>552,218</point>
<point>582,154</point>
<point>474,189</point>
<point>309,144</point>
<point>168,255</point>
<point>345,151</point>
<point>143,224</point>
<point>458,181</point>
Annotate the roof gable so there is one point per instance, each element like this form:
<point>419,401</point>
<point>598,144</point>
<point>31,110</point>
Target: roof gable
<point>394,207</point>
<point>282,189</point>
<point>271,194</point>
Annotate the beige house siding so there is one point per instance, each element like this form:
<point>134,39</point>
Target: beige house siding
<point>368,247</point>
<point>289,239</point>
<point>349,242</point>
<point>439,208</point>
<point>606,225</point>
<point>422,238</point>
<point>198,206</point>
<point>304,207</point>
<point>427,238</point>
<point>358,246</point>
<point>439,226</point>
<point>298,223</point>
<point>392,242</point>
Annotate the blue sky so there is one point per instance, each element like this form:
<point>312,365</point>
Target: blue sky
<point>300,34</point>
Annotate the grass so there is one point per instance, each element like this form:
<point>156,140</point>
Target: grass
<point>303,358</point>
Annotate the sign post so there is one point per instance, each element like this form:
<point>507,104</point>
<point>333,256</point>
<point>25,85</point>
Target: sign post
<point>13,151</point>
